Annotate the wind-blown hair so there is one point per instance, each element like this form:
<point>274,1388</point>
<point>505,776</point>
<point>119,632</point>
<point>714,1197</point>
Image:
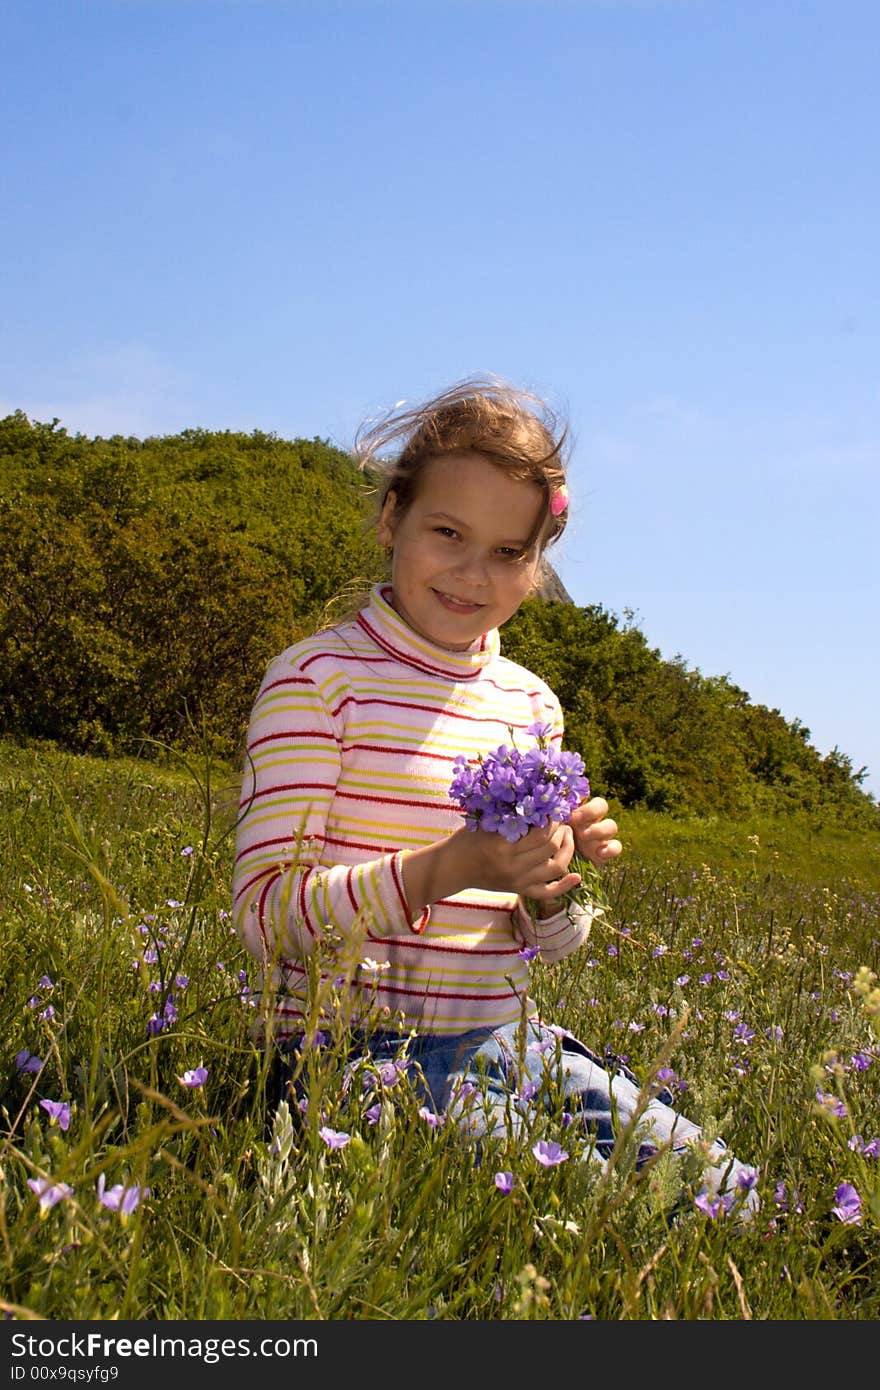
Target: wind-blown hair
<point>511,427</point>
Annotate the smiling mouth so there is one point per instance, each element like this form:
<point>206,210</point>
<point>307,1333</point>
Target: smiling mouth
<point>457,605</point>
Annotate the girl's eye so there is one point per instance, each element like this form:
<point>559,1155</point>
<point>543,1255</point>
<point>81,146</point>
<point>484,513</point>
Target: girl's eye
<point>509,552</point>
<point>446,531</point>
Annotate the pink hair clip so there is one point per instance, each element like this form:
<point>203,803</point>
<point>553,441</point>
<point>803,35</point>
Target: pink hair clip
<point>559,500</point>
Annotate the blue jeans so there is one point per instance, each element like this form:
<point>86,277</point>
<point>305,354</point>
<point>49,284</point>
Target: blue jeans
<point>487,1080</point>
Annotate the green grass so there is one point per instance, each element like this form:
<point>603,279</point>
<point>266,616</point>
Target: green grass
<point>114,880</point>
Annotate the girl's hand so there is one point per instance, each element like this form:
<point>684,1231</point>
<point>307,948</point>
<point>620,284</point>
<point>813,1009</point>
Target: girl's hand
<point>534,866</point>
<point>594,833</point>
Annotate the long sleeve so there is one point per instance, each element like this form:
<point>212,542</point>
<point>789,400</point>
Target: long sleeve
<point>558,936</point>
<point>284,898</point>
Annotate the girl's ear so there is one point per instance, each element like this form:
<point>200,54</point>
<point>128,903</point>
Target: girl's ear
<point>385,526</point>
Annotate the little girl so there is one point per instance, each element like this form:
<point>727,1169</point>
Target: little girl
<point>348,834</point>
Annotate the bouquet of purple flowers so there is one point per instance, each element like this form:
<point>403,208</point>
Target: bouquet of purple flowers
<point>510,791</point>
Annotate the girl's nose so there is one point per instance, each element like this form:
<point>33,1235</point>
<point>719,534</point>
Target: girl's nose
<point>473,567</point>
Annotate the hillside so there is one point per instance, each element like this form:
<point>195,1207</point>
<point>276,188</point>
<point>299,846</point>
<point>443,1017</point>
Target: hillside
<point>144,584</point>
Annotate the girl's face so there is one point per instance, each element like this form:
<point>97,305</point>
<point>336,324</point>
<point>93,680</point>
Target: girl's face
<point>456,566</point>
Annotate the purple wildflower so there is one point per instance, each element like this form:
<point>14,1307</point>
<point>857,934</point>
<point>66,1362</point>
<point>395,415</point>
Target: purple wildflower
<point>390,1073</point>
<point>58,1112</point>
<point>125,1200</point>
<point>504,1182</point>
<point>431,1118</point>
<point>49,1192</point>
<point>528,953</point>
<point>509,792</point>
<point>847,1205</point>
<point>195,1078</point>
<point>832,1104</point>
<point>548,1153</point>
<point>373,1113</point>
<point>713,1205</point>
<point>334,1138</point>
<point>26,1061</point>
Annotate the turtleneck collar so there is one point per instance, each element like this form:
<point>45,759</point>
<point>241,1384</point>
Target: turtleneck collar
<point>389,631</point>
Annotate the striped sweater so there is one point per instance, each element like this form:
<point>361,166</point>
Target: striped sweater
<point>350,755</point>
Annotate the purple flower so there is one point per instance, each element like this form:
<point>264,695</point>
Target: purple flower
<point>528,953</point>
<point>58,1112</point>
<point>373,1113</point>
<point>195,1078</point>
<point>747,1178</point>
<point>712,1204</point>
<point>548,1153</point>
<point>390,1073</point>
<point>509,792</point>
<point>847,1205</point>
<point>125,1200</point>
<point>28,1061</point>
<point>49,1192</point>
<point>430,1117</point>
<point>334,1138</point>
<point>504,1182</point>
<point>832,1104</point>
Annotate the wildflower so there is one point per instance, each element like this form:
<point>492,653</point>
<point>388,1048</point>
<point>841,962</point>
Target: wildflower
<point>186,851</point>
<point>682,980</point>
<point>125,1200</point>
<point>375,968</point>
<point>173,902</point>
<point>26,1061</point>
<point>714,1206</point>
<point>58,1112</point>
<point>831,1104</point>
<point>775,1033</point>
<point>860,1061</point>
<point>390,1073</point>
<point>49,1192</point>
<point>527,1091</point>
<point>747,1178</point>
<point>510,791</point>
<point>548,1153</point>
<point>373,1114</point>
<point>431,1118</point>
<point>47,1013</point>
<point>155,1025</point>
<point>45,983</point>
<point>195,1078</point>
<point>504,1182</point>
<point>869,1150</point>
<point>334,1138</point>
<point>847,1205</point>
<point>528,953</point>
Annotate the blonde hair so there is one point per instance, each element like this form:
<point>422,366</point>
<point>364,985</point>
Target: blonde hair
<point>511,427</point>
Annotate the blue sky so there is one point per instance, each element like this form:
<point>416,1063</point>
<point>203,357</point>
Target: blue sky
<point>662,214</point>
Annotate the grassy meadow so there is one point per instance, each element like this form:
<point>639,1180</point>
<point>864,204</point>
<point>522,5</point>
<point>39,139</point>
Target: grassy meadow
<point>739,957</point>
